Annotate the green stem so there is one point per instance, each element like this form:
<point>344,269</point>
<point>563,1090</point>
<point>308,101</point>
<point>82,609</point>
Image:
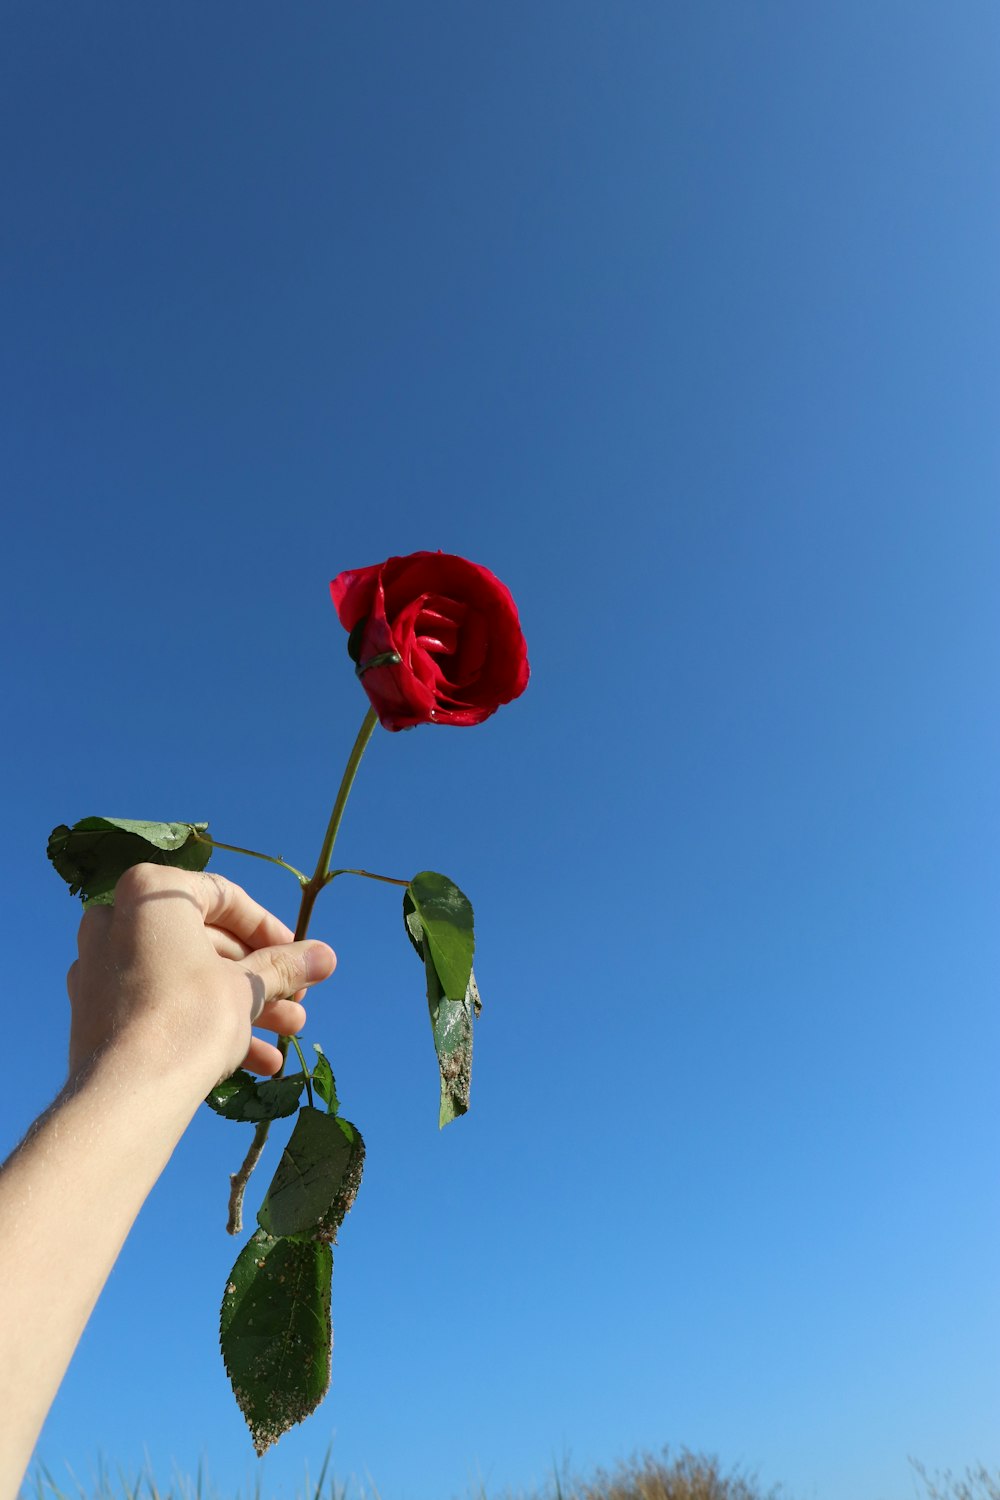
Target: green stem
<point>310,890</point>
<point>312,887</point>
<point>368,875</point>
<point>253,854</point>
<point>305,1069</point>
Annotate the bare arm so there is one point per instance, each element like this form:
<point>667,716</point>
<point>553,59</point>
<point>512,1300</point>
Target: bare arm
<point>162,997</point>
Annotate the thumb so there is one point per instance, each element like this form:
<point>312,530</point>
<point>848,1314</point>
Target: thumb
<point>286,968</point>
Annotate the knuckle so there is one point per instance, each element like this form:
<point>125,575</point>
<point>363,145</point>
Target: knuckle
<point>137,880</point>
<point>269,970</point>
<point>286,968</point>
<point>225,889</point>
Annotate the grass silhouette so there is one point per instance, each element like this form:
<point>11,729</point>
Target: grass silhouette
<point>647,1476</point>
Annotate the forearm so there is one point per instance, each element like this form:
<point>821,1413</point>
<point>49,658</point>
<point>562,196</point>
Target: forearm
<point>163,997</point>
<point>68,1197</point>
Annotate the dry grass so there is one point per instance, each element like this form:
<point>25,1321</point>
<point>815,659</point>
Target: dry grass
<point>977,1483</point>
<point>686,1476</point>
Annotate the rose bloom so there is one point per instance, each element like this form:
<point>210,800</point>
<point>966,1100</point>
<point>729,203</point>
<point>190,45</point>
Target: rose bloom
<point>436,639</point>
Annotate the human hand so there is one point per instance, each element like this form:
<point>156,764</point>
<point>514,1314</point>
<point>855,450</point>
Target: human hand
<point>182,964</point>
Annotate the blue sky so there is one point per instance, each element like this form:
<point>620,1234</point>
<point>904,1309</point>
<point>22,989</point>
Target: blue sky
<point>683,319</point>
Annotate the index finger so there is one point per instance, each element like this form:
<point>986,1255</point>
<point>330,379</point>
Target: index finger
<point>226,905</point>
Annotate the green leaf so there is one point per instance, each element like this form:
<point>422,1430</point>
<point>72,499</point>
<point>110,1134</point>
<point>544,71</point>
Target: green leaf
<point>95,852</point>
<point>446,918</point>
<point>243,1097</point>
<point>276,1334</point>
<point>317,1178</point>
<point>451,1023</point>
<point>323,1080</point>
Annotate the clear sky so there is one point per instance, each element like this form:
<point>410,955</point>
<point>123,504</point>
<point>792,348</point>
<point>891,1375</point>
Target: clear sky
<point>683,318</point>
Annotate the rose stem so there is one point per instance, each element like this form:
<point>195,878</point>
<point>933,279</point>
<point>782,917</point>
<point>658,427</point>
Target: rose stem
<point>305,1070</point>
<point>310,890</point>
<point>368,875</point>
<point>272,859</point>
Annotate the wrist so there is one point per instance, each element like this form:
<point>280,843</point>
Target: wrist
<point>147,1066</point>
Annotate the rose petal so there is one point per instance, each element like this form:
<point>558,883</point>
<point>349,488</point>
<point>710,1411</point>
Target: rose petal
<point>455,627</point>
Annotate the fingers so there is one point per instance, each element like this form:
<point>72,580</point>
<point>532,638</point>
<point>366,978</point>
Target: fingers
<point>222,903</point>
<point>228,946</point>
<point>262,1057</point>
<point>236,924</point>
<point>285,970</point>
<point>228,906</point>
<point>94,928</point>
<point>284,1017</point>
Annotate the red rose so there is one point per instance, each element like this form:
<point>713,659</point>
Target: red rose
<point>436,639</point>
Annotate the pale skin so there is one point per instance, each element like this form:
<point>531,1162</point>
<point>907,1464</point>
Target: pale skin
<point>161,1001</point>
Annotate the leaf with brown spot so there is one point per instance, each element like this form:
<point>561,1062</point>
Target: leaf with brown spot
<point>276,1334</point>
<point>451,1018</point>
<point>324,1153</point>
